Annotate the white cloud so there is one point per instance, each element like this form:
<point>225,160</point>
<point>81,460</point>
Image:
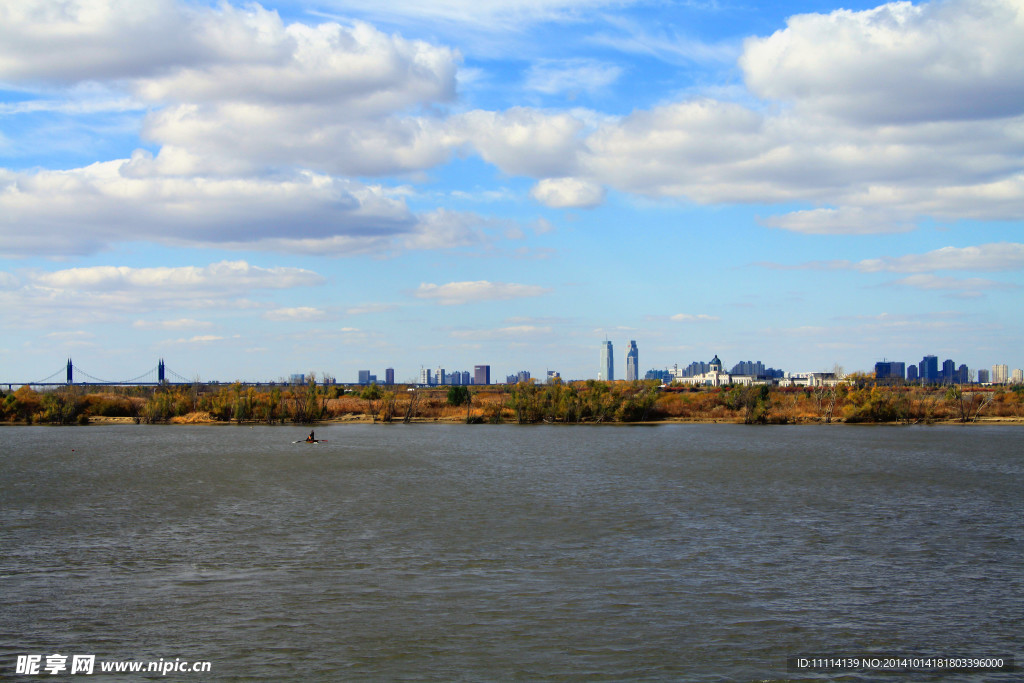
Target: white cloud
<point>666,44</point>
<point>81,40</point>
<point>225,277</point>
<point>71,335</point>
<point>170,324</point>
<point>256,119</point>
<point>473,292</point>
<point>523,141</point>
<point>568,193</point>
<point>510,332</point>
<point>570,76</point>
<point>985,257</point>
<point>691,318</point>
<point>899,62</point>
<point>858,172</point>
<point>199,339</point>
<point>443,228</point>
<point>116,294</point>
<point>296,313</point>
<point>996,256</point>
<point>958,287</point>
<point>489,16</point>
<point>237,89</point>
<point>108,203</point>
<point>847,220</point>
<point>370,308</point>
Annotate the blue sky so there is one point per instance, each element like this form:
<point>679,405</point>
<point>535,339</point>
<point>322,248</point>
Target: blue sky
<point>254,190</point>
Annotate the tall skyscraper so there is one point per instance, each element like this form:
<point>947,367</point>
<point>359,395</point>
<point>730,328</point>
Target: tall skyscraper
<point>928,369</point>
<point>425,376</point>
<point>983,377</point>
<point>632,362</point>
<point>389,376</point>
<point>364,376</point>
<point>948,371</point>
<point>1000,374</point>
<point>606,371</point>
<point>481,374</point>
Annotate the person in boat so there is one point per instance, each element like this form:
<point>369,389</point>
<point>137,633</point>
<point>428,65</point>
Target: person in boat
<point>310,439</point>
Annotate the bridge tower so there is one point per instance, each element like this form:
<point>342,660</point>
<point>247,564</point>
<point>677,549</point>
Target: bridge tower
<point>160,372</point>
<point>71,379</point>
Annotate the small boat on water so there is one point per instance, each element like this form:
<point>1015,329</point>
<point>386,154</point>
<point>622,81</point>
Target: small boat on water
<point>311,439</point>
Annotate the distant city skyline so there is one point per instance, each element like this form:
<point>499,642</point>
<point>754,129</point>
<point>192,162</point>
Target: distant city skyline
<point>929,368</point>
<point>346,186</point>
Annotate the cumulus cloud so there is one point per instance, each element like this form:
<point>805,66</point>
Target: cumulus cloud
<point>474,292</point>
<point>899,62</point>
<point>107,202</point>
<point>568,193</point>
<point>81,40</point>
<point>875,118</point>
<point>860,173</point>
<point>523,141</point>
<point>237,88</point>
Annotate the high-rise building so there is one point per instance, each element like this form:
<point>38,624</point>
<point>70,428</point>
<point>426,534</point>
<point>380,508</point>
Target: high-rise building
<point>660,375</point>
<point>520,377</point>
<point>891,370</point>
<point>983,377</point>
<point>928,369</point>
<point>948,371</point>
<point>389,376</point>
<point>440,377</point>
<point>1000,374</point>
<point>606,371</point>
<point>912,373</point>
<point>632,362</point>
<point>425,376</point>
<point>481,374</point>
<point>1018,376</point>
<point>963,374</point>
<point>364,376</point>
<point>553,375</point>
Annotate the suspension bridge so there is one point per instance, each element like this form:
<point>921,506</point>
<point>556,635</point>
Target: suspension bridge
<point>159,376</point>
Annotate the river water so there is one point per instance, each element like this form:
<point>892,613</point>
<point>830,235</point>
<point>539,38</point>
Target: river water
<point>477,553</point>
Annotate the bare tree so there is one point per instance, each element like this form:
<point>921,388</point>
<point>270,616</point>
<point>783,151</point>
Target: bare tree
<point>410,410</point>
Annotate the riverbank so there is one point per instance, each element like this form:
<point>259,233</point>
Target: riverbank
<point>589,402</point>
<point>365,419</point>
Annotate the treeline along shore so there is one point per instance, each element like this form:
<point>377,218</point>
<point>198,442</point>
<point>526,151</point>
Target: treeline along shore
<point>859,400</point>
